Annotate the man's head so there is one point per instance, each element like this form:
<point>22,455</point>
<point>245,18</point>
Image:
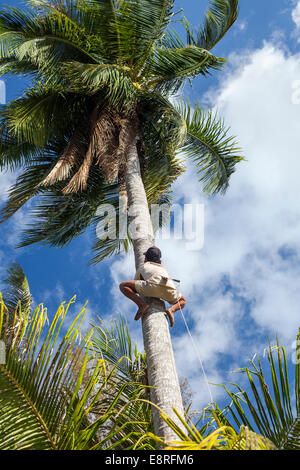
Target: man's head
<point>153,254</point>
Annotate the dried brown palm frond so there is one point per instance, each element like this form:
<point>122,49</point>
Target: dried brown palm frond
<point>110,138</point>
<point>104,142</point>
<point>73,155</point>
<point>79,181</point>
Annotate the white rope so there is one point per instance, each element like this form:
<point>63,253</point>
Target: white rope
<point>198,356</point>
<point>194,344</point>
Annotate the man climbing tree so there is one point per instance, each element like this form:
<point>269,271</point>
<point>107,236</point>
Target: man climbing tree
<point>99,122</point>
<point>152,280</point>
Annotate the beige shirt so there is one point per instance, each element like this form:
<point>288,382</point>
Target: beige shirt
<point>154,271</point>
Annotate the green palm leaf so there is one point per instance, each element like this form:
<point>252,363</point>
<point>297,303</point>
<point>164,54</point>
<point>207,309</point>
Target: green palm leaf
<point>114,344</point>
<point>222,438</point>
<point>115,82</point>
<point>270,409</point>
<point>32,117</point>
<point>17,290</point>
<point>176,65</point>
<point>213,152</point>
<point>13,153</point>
<point>58,218</point>
<point>56,394</point>
<point>18,67</point>
<point>142,23</point>
<point>219,18</point>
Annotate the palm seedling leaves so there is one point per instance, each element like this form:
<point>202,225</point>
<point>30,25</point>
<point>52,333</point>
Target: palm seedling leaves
<point>103,71</point>
<point>265,416</point>
<point>18,301</point>
<point>59,392</point>
<point>272,408</point>
<point>17,294</point>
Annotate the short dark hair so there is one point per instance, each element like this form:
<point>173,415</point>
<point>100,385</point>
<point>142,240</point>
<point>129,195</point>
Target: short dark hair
<point>153,254</point>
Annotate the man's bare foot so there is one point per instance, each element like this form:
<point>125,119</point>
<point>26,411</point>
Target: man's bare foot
<point>170,314</point>
<point>141,311</point>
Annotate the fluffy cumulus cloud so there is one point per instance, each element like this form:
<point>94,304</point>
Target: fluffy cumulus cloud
<point>260,216</point>
<point>244,283</point>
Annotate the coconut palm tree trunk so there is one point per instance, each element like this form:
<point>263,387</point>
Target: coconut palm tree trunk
<point>162,375</point>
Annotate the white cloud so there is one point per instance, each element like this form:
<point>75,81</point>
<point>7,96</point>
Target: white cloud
<point>242,25</point>
<point>58,294</point>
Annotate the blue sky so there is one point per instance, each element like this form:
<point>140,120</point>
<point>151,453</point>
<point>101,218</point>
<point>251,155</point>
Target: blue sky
<point>243,286</point>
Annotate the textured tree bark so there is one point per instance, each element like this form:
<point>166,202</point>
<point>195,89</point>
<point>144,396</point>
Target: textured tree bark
<point>162,373</point>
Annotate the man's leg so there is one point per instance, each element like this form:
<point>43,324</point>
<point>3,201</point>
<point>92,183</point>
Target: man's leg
<point>128,289</point>
<point>170,311</point>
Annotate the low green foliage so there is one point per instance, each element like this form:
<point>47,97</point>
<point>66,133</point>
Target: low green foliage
<point>58,392</point>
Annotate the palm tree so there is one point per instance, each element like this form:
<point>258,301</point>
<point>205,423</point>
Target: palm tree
<point>99,121</point>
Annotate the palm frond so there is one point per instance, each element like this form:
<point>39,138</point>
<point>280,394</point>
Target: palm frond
<point>162,133</point>
<point>108,247</point>
<point>57,219</point>
<point>37,118</point>
<point>176,65</point>
<point>115,346</point>
<point>79,13</point>
<point>110,239</point>
<point>219,18</point>
<point>163,124</point>
<point>25,187</point>
<point>215,153</point>
<point>142,23</point>
<point>10,65</point>
<point>13,24</point>
<point>72,155</point>
<point>44,41</point>
<point>51,390</point>
<point>33,118</point>
<point>17,290</point>
<point>270,411</point>
<point>105,14</point>
<point>116,84</point>
<point>223,438</point>
<point>97,20</point>
<point>14,154</point>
